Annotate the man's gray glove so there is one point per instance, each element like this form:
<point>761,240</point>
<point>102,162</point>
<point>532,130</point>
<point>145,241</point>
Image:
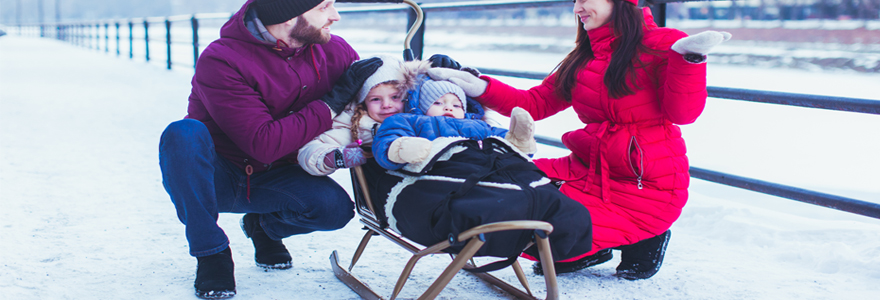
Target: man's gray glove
<point>349,83</point>
<point>695,47</point>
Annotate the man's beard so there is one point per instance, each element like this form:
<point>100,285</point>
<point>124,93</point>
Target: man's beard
<point>305,33</point>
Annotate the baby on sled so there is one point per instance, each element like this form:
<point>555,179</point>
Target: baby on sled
<point>454,172</point>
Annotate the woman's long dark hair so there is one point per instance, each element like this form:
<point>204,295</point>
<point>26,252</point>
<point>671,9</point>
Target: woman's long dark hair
<point>627,23</point>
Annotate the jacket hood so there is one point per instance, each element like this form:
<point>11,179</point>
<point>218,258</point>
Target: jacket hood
<point>235,27</point>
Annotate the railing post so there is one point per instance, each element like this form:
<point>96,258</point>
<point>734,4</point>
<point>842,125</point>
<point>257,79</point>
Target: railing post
<point>97,31</point>
<point>659,12</point>
<point>195,28</point>
<point>90,36</point>
<point>130,39</point>
<point>418,41</point>
<point>147,39</point>
<point>168,41</point>
<point>117,38</point>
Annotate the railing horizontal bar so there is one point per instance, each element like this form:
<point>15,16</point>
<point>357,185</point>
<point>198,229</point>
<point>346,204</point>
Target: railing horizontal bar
<point>827,200</point>
<point>550,141</point>
<point>375,8</point>
<point>867,106</point>
<point>517,74</point>
<point>213,15</point>
<point>179,18</point>
<point>813,101</point>
<point>678,1</point>
<point>472,5</point>
<point>798,194</point>
<point>155,19</point>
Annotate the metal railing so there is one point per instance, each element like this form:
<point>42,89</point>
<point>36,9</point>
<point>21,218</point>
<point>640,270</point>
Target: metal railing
<point>82,34</point>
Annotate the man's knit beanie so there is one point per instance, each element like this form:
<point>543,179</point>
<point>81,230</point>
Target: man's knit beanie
<point>432,90</point>
<point>273,12</point>
<point>389,71</point>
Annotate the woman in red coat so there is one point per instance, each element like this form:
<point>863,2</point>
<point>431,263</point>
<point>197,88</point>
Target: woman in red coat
<point>630,82</point>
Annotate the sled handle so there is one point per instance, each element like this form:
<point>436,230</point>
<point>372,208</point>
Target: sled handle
<point>420,18</point>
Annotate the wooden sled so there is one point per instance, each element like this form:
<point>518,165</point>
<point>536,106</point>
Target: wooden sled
<point>463,260</point>
<point>474,236</point>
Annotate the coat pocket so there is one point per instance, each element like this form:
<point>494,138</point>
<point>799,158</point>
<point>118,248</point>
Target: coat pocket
<point>636,160</point>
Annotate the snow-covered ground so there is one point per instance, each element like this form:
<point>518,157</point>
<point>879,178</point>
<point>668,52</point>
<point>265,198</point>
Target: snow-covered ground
<point>84,214</point>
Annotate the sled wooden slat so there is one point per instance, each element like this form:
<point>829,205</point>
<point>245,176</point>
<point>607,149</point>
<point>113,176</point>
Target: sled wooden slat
<point>393,236</point>
<point>473,237</point>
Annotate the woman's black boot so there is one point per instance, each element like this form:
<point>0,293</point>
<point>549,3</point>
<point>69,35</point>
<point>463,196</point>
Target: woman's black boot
<point>580,264</point>
<point>268,253</point>
<point>643,259</point>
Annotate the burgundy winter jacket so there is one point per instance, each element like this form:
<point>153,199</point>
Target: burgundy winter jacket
<point>628,164</point>
<point>260,101</point>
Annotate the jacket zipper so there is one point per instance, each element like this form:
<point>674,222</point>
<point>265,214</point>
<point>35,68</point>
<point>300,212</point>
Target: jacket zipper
<point>641,169</point>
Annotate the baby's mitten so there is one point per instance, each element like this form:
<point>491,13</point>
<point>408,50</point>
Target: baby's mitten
<point>409,150</point>
<point>522,131</point>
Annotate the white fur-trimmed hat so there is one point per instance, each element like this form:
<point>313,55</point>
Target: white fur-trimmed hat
<point>432,90</point>
<point>389,71</point>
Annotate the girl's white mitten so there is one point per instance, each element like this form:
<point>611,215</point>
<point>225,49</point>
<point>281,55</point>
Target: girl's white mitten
<point>409,149</point>
<point>472,85</point>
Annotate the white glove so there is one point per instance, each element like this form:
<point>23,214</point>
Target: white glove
<point>472,85</point>
<point>409,149</point>
<point>522,131</point>
<point>700,43</point>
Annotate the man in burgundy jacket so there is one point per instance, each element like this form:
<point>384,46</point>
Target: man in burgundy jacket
<point>254,103</point>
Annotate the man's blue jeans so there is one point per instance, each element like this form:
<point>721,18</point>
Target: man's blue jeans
<point>203,183</point>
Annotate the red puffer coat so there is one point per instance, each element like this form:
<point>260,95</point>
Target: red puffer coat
<point>628,164</point>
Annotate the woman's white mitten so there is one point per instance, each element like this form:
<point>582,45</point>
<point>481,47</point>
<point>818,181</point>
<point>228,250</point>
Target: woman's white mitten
<point>522,131</point>
<point>472,85</point>
<point>409,149</point>
<point>699,44</point>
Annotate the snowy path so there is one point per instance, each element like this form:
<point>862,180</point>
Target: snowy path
<point>84,214</point>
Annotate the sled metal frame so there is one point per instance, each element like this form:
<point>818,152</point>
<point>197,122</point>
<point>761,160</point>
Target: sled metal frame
<point>463,260</point>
